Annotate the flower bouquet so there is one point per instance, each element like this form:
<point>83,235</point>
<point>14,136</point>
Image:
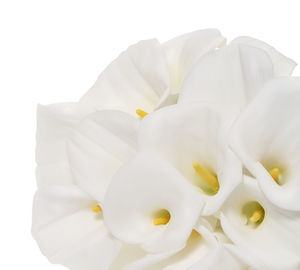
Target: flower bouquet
<point>183,155</point>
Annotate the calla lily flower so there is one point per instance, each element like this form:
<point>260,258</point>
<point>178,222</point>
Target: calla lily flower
<point>266,138</point>
<point>189,136</point>
<point>261,232</point>
<point>149,74</point>
<point>67,222</point>
<point>69,232</point>
<point>147,192</point>
<point>229,78</point>
<point>204,249</point>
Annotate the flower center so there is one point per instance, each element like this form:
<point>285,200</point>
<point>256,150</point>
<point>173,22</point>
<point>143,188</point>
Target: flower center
<point>161,217</point>
<point>277,168</point>
<point>275,173</point>
<point>257,215</point>
<point>254,213</point>
<point>97,209</point>
<point>141,113</point>
<point>209,179</point>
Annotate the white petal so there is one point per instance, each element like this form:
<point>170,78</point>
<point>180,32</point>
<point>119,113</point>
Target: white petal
<point>282,65</point>
<point>213,226</point>
<point>201,252</point>
<point>54,174</point>
<point>267,136</point>
<point>53,126</point>
<point>150,261</point>
<point>245,256</point>
<point>68,232</point>
<point>170,100</point>
<point>219,258</point>
<point>228,79</point>
<point>141,188</point>
<point>197,247</point>
<point>127,255</point>
<point>184,51</point>
<point>95,252</point>
<point>274,244</point>
<point>209,222</point>
<point>54,123</point>
<point>98,146</point>
<point>201,249</point>
<point>187,133</point>
<point>138,78</point>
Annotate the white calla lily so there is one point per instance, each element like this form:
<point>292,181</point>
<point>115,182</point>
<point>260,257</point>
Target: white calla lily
<point>189,136</point>
<point>228,79</point>
<point>260,230</point>
<point>65,227</point>
<point>266,138</point>
<point>143,76</point>
<point>69,232</point>
<point>138,78</point>
<point>145,190</point>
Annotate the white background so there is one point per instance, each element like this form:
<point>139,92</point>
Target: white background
<point>53,51</point>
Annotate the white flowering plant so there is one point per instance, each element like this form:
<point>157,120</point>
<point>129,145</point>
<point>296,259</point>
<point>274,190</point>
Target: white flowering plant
<point>183,155</point>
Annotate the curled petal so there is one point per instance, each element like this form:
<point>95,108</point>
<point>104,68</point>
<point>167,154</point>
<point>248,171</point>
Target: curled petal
<point>266,136</point>
<point>68,232</point>
<point>138,78</point>
<point>64,226</point>
<point>270,244</point>
<point>54,123</point>
<point>138,191</point>
<point>150,261</point>
<point>220,258</point>
<point>183,52</point>
<point>200,243</point>
<point>282,65</point>
<point>201,252</point>
<point>98,145</point>
<point>228,79</point>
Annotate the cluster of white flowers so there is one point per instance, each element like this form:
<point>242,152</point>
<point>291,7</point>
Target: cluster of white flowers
<point>183,155</point>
